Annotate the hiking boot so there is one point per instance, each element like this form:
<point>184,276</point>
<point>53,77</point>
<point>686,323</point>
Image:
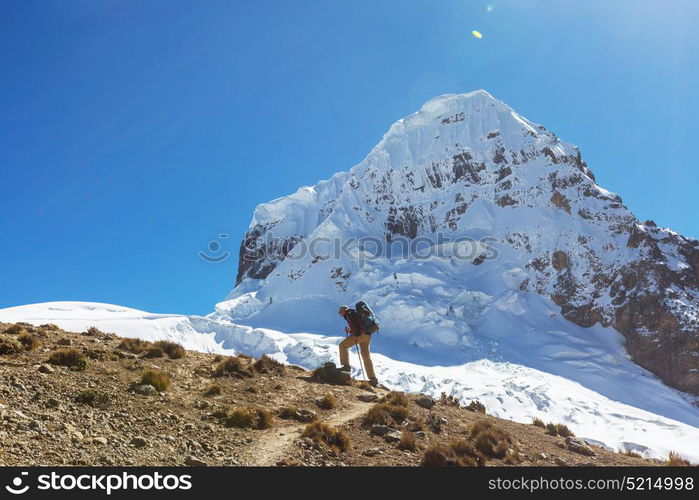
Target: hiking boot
<point>373,382</point>
<point>345,368</point>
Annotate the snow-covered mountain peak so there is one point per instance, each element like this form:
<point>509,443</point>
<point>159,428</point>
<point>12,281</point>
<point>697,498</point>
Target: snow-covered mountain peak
<point>468,166</point>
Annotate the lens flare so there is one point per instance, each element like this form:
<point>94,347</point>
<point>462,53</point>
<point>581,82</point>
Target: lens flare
<point>477,34</point>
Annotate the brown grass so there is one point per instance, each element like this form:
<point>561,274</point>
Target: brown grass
<point>269,366</point>
<point>153,352</point>
<point>172,349</point>
<point>93,331</point>
<point>558,430</point>
<point>10,345</point>
<point>71,358</point>
<point>29,341</point>
<point>674,459</point>
<point>630,453</point>
<point>233,367</point>
<point>14,329</point>
<point>385,414</point>
<point>537,422</point>
<point>288,412</point>
<point>327,402</point>
<point>490,440</point>
<point>476,406</point>
<point>408,441</point>
<point>157,378</point>
<point>249,418</point>
<point>213,390</point>
<point>93,398</point>
<point>396,399</point>
<point>459,453</point>
<point>327,436</point>
<point>136,346</point>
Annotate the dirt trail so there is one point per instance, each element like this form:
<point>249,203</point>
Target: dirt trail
<point>272,444</point>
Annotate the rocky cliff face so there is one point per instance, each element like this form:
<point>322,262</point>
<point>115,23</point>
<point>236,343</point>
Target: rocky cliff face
<point>467,167</point>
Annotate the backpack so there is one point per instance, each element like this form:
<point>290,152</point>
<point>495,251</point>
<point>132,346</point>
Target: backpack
<point>366,315</point>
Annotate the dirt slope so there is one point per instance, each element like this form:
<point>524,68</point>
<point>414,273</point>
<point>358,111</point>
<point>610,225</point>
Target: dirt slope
<point>102,414</point>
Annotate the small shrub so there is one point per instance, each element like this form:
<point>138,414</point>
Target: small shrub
<point>417,425</point>
<point>136,346</point>
<point>538,423</point>
<point>564,431</point>
<point>490,440</point>
<point>476,406</point>
<point>29,341</point>
<point>172,349</point>
<point>674,459</point>
<point>10,345</point>
<point>385,414</point>
<point>407,441</point>
<point>213,390</point>
<point>93,331</point>
<point>396,399</point>
<point>327,402</point>
<point>630,453</point>
<point>288,412</point>
<point>157,378</point>
<point>15,329</point>
<point>268,365</point>
<point>50,326</point>
<point>93,398</point>
<point>558,430</point>
<point>153,352</point>
<point>436,455</point>
<point>449,400</point>
<point>327,436</point>
<point>459,453</point>
<point>249,418</point>
<point>71,358</point>
<point>232,367</point>
<point>218,358</point>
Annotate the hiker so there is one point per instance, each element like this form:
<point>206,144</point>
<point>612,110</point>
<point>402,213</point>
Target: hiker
<point>357,336</point>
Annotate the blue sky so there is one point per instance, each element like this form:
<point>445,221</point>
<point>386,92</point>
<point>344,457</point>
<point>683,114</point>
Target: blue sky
<point>133,133</point>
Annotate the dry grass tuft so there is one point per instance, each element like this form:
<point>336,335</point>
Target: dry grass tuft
<point>135,346</point>
<point>29,341</point>
<point>10,345</point>
<point>408,441</point>
<point>395,398</point>
<point>269,366</point>
<point>157,378</point>
<point>213,390</point>
<point>93,398</point>
<point>476,406</point>
<point>327,436</point>
<point>537,422</point>
<point>490,440</point>
<point>459,453</point>
<point>385,414</point>
<point>172,349</point>
<point>71,358</point>
<point>674,459</point>
<point>232,367</point>
<point>153,352</point>
<point>249,418</point>
<point>327,402</point>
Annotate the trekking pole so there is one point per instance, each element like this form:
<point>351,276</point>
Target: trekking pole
<point>360,361</point>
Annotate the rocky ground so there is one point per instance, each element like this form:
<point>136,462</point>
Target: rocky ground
<point>104,410</point>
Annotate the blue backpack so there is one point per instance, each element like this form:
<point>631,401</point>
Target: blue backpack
<point>369,322</point>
